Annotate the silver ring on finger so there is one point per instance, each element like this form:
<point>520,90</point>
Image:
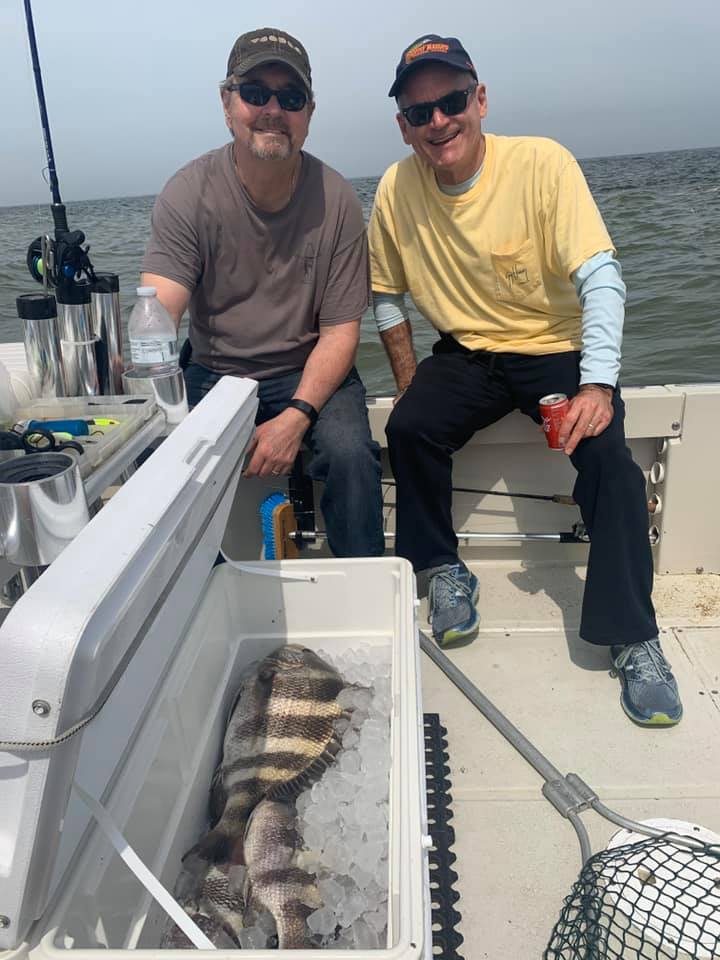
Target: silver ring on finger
<point>275,473</point>
<point>591,426</point>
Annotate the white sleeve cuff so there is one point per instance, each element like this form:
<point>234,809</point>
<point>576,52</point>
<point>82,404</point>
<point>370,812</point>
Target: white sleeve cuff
<point>389,309</point>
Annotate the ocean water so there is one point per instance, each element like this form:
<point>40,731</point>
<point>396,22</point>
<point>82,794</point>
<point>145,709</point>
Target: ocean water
<point>662,210</point>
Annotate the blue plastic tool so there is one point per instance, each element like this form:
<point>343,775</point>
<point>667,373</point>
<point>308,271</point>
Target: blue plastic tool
<point>78,428</point>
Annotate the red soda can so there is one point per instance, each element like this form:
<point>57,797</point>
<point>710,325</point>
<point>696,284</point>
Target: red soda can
<point>553,408</point>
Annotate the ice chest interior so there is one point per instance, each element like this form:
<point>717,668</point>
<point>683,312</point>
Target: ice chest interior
<point>170,634</point>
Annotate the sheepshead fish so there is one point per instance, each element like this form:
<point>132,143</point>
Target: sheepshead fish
<point>275,883</point>
<point>281,737</point>
<point>214,900</point>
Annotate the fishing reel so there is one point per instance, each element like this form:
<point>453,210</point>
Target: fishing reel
<point>66,259</point>
<point>63,260</point>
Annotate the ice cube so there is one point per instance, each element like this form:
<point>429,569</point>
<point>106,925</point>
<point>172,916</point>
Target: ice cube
<point>349,762</point>
<point>350,738</point>
<point>265,921</point>
<point>331,892</point>
<point>368,856</point>
<point>322,921</point>
<point>365,937</point>
<point>334,854</point>
<point>252,938</point>
<point>352,907</point>
<point>361,878</point>
<point>314,836</point>
<point>377,919</point>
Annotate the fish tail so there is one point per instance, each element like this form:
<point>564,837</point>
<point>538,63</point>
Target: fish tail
<point>217,846</point>
<point>292,930</point>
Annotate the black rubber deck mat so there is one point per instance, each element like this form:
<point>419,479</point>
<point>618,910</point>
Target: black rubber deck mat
<point>446,939</point>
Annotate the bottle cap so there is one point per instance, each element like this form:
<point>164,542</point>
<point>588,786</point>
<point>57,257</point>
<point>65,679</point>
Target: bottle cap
<point>146,291</point>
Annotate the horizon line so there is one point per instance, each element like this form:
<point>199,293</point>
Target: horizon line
<point>138,196</point>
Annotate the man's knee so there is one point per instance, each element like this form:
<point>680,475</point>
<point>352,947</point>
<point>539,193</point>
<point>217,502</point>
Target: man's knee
<point>610,456</point>
<point>404,424</point>
<point>348,446</point>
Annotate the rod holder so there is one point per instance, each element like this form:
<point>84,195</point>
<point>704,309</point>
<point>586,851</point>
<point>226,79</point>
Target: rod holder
<point>38,312</point>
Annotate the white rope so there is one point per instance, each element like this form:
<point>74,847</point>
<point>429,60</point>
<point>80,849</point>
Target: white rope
<point>146,877</point>
<point>261,571</point>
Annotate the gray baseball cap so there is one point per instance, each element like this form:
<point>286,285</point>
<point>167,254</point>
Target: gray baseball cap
<point>269,45</point>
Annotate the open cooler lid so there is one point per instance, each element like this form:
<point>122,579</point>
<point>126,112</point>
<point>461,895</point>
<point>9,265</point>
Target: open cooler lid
<point>93,637</point>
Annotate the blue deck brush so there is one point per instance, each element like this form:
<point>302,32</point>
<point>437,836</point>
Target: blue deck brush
<point>277,518</point>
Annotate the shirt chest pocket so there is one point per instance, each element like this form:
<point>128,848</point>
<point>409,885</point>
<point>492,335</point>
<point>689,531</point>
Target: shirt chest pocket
<point>517,274</point>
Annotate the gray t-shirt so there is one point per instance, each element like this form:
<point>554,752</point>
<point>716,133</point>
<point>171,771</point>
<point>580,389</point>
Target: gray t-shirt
<point>261,283</point>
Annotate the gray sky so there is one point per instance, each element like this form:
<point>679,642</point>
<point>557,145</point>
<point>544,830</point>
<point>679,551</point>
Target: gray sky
<point>131,87</point>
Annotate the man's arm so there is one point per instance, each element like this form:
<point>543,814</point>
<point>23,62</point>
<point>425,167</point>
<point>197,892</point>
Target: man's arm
<point>277,441</point>
<point>393,324</point>
<point>601,293</point>
<point>398,345</point>
<point>172,295</point>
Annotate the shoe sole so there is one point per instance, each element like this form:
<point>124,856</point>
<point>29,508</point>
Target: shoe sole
<point>452,636</point>
<point>656,720</point>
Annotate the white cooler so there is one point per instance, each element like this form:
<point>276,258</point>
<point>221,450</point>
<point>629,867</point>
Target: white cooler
<point>132,637</point>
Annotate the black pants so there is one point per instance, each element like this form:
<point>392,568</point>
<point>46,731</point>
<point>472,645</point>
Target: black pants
<point>456,392</point>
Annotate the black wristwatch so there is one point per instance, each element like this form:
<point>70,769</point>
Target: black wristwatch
<point>304,407</point>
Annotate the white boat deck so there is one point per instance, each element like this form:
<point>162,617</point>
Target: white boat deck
<point>517,858</point>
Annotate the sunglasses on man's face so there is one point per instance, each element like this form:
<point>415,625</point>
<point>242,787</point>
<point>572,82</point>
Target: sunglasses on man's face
<point>453,103</point>
<point>257,95</point>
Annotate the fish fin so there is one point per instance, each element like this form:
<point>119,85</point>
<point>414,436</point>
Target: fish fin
<point>267,674</point>
<point>215,847</point>
<point>218,795</point>
<point>333,748</point>
<point>291,788</point>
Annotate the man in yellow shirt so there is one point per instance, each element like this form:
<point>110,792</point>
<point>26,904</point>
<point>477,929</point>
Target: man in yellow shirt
<point>500,245</point>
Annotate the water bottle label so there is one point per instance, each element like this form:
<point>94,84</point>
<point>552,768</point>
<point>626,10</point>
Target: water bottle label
<point>148,352</point>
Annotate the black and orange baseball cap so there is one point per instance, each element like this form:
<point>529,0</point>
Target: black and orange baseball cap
<point>431,48</point>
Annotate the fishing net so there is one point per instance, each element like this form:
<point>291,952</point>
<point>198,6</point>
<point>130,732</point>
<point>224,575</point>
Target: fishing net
<point>656,899</point>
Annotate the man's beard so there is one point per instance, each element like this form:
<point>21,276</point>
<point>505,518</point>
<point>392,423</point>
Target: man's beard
<point>276,148</point>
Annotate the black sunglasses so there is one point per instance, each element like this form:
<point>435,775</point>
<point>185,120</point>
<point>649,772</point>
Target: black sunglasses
<point>420,114</point>
<point>257,95</point>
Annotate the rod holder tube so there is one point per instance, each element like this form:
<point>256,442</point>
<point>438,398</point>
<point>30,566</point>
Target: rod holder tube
<point>42,507</point>
<point>107,319</point>
<point>38,312</point>
<point>80,365</point>
<point>75,320</point>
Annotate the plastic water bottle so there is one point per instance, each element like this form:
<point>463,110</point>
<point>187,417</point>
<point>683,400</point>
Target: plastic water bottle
<point>153,336</point>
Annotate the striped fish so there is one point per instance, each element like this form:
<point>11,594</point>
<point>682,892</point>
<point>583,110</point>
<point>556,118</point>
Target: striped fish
<point>274,881</point>
<point>280,738</point>
<point>209,897</point>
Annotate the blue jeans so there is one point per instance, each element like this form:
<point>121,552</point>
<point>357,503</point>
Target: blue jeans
<point>343,456</point>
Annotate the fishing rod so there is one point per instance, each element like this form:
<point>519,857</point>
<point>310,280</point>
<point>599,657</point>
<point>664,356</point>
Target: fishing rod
<point>67,260</point>
<point>563,498</point>
<point>653,504</point>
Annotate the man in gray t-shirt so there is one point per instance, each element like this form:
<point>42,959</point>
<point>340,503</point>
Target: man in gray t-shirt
<point>266,248</point>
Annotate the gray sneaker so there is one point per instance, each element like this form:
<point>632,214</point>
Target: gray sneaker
<point>649,690</point>
<point>452,594</point>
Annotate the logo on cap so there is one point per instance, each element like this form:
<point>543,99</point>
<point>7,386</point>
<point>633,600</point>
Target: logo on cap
<point>272,38</point>
<point>424,47</point>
